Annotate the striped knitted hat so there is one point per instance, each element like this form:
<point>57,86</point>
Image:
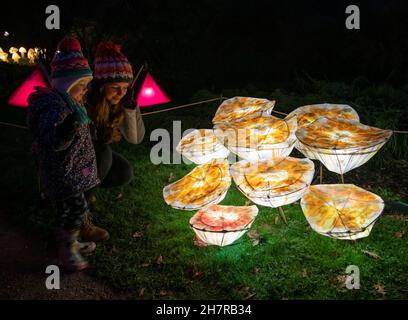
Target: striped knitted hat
<point>111,65</point>
<point>69,65</point>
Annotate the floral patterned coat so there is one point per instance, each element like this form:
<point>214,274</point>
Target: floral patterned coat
<point>67,165</point>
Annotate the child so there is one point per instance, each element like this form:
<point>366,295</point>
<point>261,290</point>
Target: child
<point>112,107</point>
<point>63,146</point>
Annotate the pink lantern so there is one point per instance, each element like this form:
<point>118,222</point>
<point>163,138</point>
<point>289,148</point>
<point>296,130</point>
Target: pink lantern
<point>150,93</point>
<point>20,96</point>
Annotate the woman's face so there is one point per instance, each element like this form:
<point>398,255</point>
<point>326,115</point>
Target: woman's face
<point>115,91</point>
<point>78,91</point>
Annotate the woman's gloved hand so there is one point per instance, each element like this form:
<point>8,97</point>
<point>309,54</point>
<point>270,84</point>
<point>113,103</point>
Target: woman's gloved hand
<point>129,100</point>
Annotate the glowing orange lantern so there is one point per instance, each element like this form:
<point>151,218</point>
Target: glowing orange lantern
<point>310,113</point>
<point>237,108</point>
<point>201,146</point>
<point>259,137</point>
<point>341,145</point>
<point>342,211</point>
<point>204,185</point>
<point>273,183</point>
<point>222,225</point>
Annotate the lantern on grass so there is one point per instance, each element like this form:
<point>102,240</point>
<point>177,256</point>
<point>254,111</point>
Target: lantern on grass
<point>259,137</point>
<point>237,108</point>
<point>273,183</point>
<point>21,94</point>
<point>3,55</point>
<point>341,145</point>
<point>201,146</point>
<point>341,211</point>
<point>222,225</point>
<point>150,93</point>
<point>205,184</point>
<point>308,114</point>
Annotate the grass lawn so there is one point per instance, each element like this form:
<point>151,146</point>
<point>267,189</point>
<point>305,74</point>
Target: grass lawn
<point>151,250</point>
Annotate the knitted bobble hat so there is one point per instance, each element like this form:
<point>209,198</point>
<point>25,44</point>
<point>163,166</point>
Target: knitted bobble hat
<point>111,65</point>
<point>68,65</point>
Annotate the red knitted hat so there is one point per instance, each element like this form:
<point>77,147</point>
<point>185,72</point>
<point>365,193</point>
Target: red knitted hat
<point>111,65</point>
<point>69,60</point>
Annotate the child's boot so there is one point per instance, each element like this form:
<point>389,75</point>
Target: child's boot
<point>90,232</point>
<point>69,251</point>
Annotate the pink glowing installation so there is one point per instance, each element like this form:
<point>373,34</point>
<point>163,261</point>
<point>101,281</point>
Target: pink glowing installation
<point>150,93</point>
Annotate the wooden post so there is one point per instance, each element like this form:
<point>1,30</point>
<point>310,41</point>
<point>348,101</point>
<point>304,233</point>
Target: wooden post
<point>282,214</point>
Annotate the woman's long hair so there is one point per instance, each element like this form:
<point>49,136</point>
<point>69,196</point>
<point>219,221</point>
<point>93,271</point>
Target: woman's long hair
<point>102,113</point>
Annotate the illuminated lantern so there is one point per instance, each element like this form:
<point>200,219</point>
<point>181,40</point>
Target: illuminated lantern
<point>273,183</point>
<point>201,146</point>
<point>31,55</point>
<point>205,184</point>
<point>150,93</point>
<point>23,51</point>
<point>3,55</point>
<point>20,96</point>
<point>308,114</point>
<point>259,137</point>
<point>237,108</point>
<point>15,56</point>
<point>341,211</point>
<point>222,225</point>
<point>341,145</point>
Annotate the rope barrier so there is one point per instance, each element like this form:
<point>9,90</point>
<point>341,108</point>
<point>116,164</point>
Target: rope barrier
<point>182,106</point>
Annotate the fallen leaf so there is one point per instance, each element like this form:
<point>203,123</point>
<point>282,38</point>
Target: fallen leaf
<point>163,293</point>
<point>137,235</point>
<point>276,219</point>
<point>399,234</point>
<point>371,254</point>
<point>120,195</point>
<point>198,275</point>
<point>251,296</point>
<point>159,260</point>
<point>256,270</point>
<point>144,265</point>
<point>243,289</point>
<point>339,282</point>
<point>248,203</point>
<point>304,273</point>
<point>199,243</point>
<point>171,177</point>
<point>379,288</point>
<point>267,227</point>
<point>141,292</point>
<point>254,236</point>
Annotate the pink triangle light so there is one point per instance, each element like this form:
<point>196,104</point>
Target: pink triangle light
<point>20,95</point>
<point>150,93</point>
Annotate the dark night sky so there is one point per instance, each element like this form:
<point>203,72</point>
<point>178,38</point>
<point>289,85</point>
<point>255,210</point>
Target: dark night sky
<point>217,44</point>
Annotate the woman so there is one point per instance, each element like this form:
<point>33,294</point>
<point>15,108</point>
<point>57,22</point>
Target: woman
<point>111,106</point>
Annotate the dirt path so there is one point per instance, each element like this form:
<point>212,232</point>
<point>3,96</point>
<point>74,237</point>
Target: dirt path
<point>23,260</point>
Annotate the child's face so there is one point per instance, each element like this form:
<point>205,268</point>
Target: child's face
<point>115,91</point>
<point>78,91</point>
